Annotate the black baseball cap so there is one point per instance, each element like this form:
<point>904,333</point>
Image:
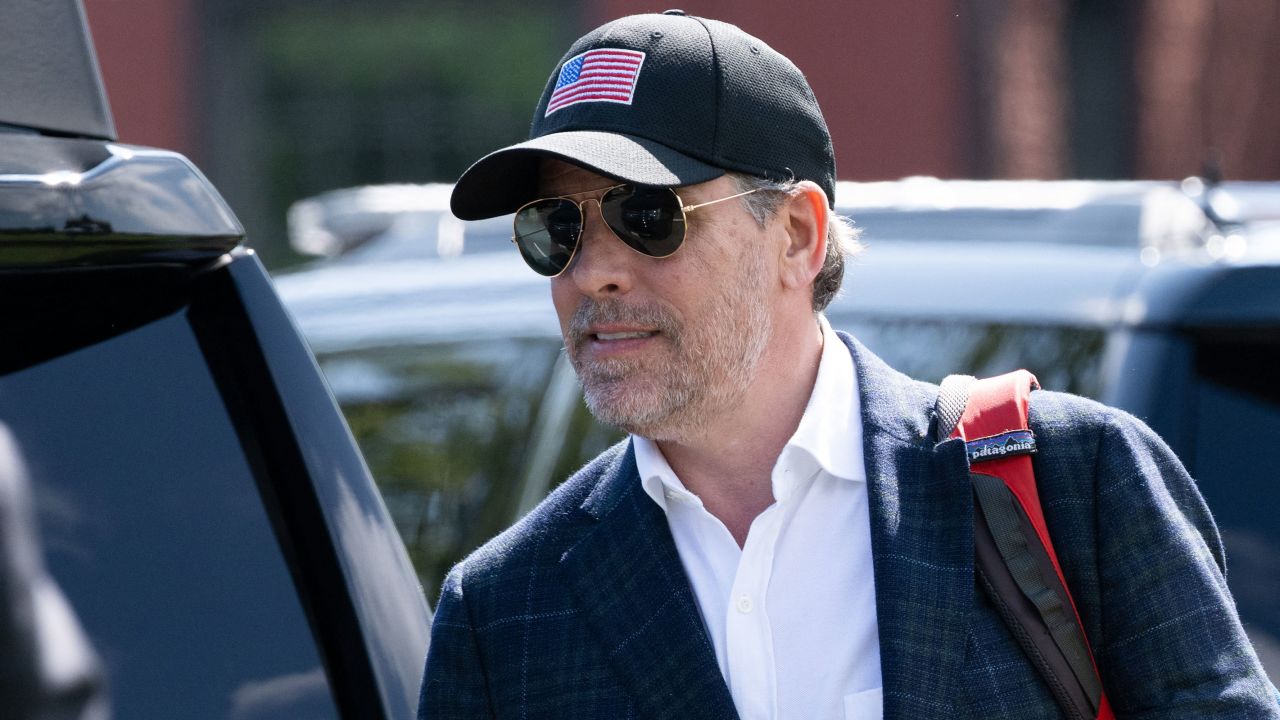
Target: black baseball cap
<point>662,99</point>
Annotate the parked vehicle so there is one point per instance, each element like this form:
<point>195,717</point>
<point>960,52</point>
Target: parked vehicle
<point>1160,298</point>
<point>200,500</point>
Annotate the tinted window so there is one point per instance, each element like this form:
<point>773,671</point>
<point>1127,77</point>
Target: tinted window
<point>450,432</point>
<point>1063,358</point>
<point>154,527</point>
<point>1235,459</point>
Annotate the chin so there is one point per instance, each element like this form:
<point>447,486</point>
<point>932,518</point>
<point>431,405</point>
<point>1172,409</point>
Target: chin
<point>648,411</point>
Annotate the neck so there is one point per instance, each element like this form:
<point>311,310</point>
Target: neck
<point>729,462</point>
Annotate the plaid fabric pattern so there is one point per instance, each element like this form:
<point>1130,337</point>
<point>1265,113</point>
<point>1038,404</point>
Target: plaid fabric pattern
<point>582,609</point>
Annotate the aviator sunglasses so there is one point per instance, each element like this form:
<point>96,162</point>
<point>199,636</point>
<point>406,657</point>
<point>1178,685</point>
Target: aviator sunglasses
<point>649,219</point>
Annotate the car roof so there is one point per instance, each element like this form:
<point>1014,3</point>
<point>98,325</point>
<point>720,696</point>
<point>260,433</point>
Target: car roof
<point>77,202</point>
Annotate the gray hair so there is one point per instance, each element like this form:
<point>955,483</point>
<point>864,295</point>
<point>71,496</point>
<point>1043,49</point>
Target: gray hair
<point>842,236</point>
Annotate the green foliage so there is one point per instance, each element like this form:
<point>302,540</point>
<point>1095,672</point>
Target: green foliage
<point>452,49</point>
<point>369,93</point>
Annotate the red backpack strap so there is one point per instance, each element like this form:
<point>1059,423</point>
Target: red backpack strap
<point>1016,563</point>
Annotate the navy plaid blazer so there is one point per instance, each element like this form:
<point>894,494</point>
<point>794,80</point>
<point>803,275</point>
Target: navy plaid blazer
<point>583,609</point>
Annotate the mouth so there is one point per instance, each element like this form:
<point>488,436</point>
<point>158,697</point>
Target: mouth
<point>625,335</point>
<point>609,330</point>
<point>604,343</point>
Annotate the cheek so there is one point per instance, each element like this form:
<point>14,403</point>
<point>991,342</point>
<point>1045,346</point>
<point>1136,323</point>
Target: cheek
<point>565,298</point>
<point>743,255</point>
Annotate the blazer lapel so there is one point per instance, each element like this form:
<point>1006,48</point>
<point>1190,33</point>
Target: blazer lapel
<point>922,541</point>
<point>628,580</point>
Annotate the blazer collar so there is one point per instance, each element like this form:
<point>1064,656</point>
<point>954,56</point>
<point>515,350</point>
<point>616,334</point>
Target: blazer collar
<point>921,537</point>
<point>627,579</point>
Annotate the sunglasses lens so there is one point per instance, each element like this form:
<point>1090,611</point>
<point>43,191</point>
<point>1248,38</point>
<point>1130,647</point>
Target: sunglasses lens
<point>646,218</point>
<point>547,233</point>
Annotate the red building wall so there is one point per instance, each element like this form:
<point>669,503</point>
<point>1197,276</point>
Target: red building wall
<point>145,50</point>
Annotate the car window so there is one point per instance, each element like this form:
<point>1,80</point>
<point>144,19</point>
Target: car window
<point>1067,359</point>
<point>1237,395</point>
<point>153,525</point>
<point>449,432</point>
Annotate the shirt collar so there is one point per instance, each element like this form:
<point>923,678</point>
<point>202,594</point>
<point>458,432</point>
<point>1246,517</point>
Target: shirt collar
<point>830,430</point>
<point>829,433</point>
<point>657,478</point>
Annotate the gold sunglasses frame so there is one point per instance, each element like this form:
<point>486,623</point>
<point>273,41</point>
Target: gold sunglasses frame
<point>577,241</point>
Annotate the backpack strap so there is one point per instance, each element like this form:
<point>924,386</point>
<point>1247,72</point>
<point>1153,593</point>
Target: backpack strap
<point>1015,561</point>
<point>953,395</point>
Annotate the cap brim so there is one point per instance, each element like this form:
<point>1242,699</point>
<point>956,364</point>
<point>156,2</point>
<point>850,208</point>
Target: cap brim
<point>502,181</point>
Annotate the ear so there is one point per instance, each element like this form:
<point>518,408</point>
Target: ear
<point>804,219</point>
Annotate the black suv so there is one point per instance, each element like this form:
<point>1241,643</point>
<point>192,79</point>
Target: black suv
<point>200,499</point>
<point>1160,298</point>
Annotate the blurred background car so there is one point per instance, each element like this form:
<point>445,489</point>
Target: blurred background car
<point>198,498</point>
<point>1159,298</point>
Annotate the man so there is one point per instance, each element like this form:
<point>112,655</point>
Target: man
<point>779,537</point>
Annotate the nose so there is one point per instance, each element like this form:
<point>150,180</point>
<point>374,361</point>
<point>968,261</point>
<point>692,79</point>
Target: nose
<point>603,265</point>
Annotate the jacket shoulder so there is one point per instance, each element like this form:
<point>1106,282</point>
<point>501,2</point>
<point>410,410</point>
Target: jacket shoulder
<point>1059,411</point>
<point>1084,434</point>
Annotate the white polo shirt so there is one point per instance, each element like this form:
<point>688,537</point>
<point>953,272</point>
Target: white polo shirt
<point>792,613</point>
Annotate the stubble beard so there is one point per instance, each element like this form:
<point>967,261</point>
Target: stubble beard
<point>703,373</point>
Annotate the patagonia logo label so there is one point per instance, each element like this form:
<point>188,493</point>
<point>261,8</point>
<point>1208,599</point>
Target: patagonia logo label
<point>1014,442</point>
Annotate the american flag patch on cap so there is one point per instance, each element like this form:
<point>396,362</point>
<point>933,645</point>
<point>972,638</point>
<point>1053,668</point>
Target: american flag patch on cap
<point>603,75</point>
